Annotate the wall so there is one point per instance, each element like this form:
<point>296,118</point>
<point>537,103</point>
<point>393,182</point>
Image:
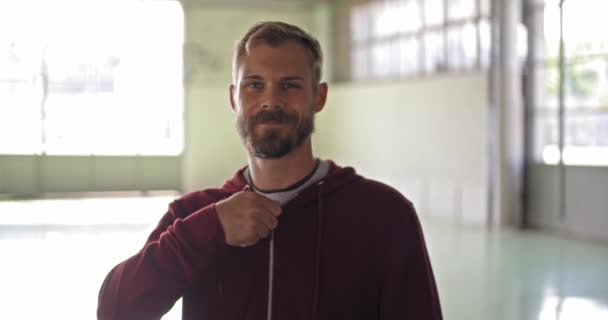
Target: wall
<point>426,136</point>
<point>586,200</point>
<point>31,176</point>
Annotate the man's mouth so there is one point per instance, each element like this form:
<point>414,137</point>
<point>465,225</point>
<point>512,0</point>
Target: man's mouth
<point>271,123</point>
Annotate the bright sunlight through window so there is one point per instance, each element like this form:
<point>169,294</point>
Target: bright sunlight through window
<point>585,85</point>
<point>91,77</point>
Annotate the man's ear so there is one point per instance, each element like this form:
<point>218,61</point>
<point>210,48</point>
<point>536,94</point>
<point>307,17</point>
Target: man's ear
<point>232,105</point>
<point>321,96</point>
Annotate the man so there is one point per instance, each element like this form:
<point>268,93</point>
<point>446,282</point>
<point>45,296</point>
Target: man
<point>289,236</point>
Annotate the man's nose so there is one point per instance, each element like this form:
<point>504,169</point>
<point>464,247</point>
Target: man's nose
<point>272,98</point>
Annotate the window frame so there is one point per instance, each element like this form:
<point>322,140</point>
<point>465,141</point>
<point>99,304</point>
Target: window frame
<point>446,64</point>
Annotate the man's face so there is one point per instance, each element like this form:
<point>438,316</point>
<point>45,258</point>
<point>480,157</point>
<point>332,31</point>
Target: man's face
<point>275,100</point>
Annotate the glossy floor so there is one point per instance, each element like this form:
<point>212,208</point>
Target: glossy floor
<point>55,254</point>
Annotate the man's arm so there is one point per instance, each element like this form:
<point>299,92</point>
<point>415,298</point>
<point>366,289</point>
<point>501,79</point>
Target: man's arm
<point>408,289</point>
<point>147,285</point>
<point>181,248</point>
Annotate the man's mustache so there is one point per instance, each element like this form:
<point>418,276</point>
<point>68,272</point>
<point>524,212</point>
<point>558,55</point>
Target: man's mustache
<point>278,116</point>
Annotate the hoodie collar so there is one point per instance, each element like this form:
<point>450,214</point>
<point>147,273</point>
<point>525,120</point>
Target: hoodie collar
<point>337,177</point>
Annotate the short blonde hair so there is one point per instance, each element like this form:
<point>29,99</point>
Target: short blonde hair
<point>275,33</point>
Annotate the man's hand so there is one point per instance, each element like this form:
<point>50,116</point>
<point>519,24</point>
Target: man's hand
<point>247,217</point>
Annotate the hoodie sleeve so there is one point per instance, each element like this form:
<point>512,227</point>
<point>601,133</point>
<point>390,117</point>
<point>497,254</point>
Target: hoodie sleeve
<point>408,289</point>
<point>179,250</point>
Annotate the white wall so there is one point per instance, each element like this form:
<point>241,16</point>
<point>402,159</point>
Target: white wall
<point>585,202</point>
<point>427,137</point>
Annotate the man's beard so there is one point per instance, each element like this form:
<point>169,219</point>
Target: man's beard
<point>272,143</point>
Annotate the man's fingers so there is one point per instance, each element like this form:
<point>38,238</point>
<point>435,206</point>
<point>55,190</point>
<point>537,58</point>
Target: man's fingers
<point>261,230</point>
<point>268,220</point>
<point>247,217</point>
<point>273,207</point>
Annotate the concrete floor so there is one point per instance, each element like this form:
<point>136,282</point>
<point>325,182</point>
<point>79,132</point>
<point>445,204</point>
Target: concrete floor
<point>54,255</point>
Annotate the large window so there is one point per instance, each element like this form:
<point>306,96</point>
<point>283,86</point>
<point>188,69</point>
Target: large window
<point>571,90</point>
<point>402,38</point>
<point>91,78</point>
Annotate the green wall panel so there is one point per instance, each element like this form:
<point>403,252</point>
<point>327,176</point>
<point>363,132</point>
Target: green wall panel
<point>32,175</point>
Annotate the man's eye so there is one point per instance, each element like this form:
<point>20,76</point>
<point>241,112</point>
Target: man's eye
<point>254,85</point>
<point>291,85</point>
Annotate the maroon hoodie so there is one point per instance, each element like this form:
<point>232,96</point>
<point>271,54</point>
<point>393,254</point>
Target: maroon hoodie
<point>345,248</point>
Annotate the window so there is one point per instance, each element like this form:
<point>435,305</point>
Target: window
<point>583,92</point>
<point>401,38</point>
<point>85,79</point>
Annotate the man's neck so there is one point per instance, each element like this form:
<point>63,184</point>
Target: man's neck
<point>276,174</point>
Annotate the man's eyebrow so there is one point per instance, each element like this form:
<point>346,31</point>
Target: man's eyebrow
<point>287,78</point>
<point>292,78</point>
<point>252,76</point>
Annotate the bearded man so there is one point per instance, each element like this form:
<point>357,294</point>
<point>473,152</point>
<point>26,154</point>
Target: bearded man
<point>289,236</point>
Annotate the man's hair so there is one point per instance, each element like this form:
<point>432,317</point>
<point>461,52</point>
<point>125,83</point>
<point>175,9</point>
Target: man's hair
<point>275,33</point>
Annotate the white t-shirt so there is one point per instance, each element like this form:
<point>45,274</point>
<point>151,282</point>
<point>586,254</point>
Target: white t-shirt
<point>284,195</point>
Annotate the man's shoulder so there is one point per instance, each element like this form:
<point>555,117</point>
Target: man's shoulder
<point>392,210</point>
<point>388,203</point>
<point>373,189</point>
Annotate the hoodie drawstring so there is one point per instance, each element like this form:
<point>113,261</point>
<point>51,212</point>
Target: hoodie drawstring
<point>315,296</point>
<point>270,276</point>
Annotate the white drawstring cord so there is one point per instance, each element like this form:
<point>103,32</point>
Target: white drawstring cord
<point>270,276</point>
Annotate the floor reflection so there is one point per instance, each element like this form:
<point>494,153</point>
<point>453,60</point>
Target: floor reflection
<point>56,253</point>
<point>573,308</point>
<point>510,275</point>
